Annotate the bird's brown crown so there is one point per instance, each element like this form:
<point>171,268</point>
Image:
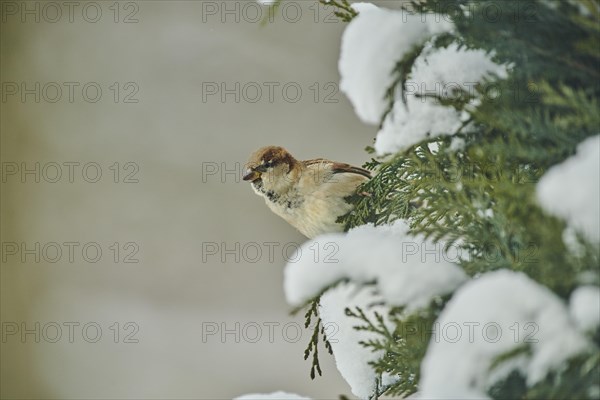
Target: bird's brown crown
<point>271,156</point>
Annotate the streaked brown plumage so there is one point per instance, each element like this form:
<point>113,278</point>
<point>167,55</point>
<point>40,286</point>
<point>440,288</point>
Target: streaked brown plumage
<point>310,195</point>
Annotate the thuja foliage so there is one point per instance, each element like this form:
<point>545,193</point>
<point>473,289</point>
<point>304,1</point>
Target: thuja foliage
<point>402,340</point>
<point>313,345</point>
<point>475,190</point>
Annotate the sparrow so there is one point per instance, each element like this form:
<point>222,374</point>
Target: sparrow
<point>310,195</point>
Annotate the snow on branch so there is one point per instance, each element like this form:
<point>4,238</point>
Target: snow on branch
<point>351,357</point>
<point>585,307</point>
<point>374,46</point>
<point>374,41</point>
<point>408,271</point>
<point>571,189</point>
<point>498,314</point>
<point>445,73</point>
<point>401,270</point>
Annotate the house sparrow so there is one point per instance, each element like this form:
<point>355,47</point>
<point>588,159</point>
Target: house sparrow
<point>310,195</point>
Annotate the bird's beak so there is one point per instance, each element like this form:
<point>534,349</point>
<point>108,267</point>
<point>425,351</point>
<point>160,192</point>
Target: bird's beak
<point>251,175</point>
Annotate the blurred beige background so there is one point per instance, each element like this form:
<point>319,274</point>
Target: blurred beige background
<point>178,143</point>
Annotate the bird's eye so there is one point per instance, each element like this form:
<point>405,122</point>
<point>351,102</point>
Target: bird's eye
<point>269,163</point>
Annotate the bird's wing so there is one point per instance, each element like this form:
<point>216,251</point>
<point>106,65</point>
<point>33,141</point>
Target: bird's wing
<point>308,163</point>
<point>337,167</point>
<point>340,168</point>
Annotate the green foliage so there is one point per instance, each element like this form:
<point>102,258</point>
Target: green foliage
<point>313,345</point>
<point>481,197</point>
<point>475,190</point>
<point>577,380</point>
<point>403,339</point>
<point>318,329</point>
<point>343,9</point>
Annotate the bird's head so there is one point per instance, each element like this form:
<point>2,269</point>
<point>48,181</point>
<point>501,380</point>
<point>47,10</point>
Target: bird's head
<point>270,167</point>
